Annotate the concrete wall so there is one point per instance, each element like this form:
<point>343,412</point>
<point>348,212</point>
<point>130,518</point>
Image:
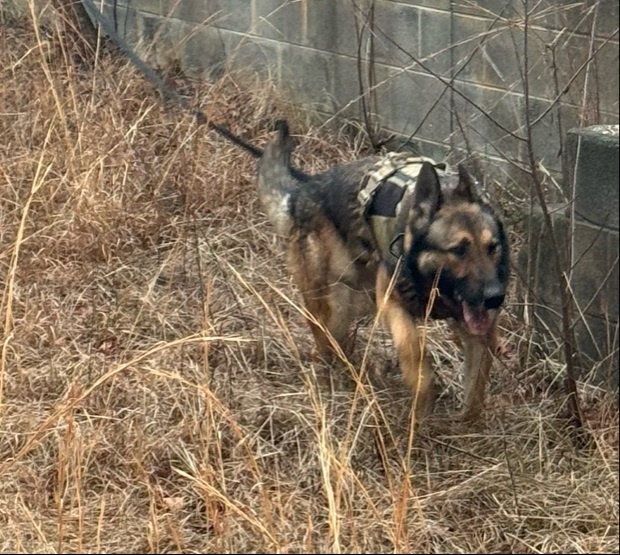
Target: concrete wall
<point>407,52</point>
<point>587,228</point>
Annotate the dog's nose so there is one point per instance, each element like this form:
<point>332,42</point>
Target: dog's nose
<point>494,295</point>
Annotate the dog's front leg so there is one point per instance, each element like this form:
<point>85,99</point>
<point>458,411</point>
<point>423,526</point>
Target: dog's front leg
<point>409,341</point>
<point>478,353</point>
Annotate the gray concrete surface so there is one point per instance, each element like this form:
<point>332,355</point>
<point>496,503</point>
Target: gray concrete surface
<point>591,234</point>
<point>414,49</point>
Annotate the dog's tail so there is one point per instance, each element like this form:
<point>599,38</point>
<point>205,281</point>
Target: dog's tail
<point>278,182</point>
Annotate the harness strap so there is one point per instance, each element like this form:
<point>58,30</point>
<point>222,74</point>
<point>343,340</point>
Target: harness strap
<point>385,198</point>
<point>385,169</point>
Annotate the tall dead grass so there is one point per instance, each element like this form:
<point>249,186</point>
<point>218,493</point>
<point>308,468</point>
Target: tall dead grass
<point>157,394</point>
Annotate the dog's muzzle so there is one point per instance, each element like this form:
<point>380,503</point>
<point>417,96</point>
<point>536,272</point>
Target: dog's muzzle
<point>494,295</point>
<point>479,319</point>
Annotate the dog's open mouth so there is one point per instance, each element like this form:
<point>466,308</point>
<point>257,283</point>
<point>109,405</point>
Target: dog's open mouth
<point>477,320</point>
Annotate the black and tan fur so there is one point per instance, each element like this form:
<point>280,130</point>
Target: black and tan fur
<point>453,244</point>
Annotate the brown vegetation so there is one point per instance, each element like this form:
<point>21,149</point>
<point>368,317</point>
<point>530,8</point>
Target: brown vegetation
<point>156,389</point>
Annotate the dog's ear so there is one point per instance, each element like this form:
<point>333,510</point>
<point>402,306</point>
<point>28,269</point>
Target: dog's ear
<point>467,188</point>
<point>427,196</point>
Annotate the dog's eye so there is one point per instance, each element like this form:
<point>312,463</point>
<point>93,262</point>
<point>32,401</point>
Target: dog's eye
<point>460,250</point>
<point>492,248</point>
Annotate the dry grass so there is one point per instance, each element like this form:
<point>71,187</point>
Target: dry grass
<point>157,393</point>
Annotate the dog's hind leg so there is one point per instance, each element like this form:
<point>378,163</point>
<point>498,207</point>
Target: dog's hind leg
<point>478,352</point>
<point>329,319</point>
<point>410,345</point>
<point>315,262</point>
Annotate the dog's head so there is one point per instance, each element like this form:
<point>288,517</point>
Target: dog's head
<point>455,239</point>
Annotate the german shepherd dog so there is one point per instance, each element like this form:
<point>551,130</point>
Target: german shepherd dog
<point>445,257</point>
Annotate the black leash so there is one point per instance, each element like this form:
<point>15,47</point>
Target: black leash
<point>164,88</point>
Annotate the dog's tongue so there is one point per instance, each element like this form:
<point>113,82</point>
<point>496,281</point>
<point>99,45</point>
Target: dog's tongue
<point>477,319</point>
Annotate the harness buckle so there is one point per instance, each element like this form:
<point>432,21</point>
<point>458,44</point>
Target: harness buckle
<point>397,246</point>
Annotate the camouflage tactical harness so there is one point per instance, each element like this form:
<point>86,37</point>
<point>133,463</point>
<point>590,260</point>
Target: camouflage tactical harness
<point>385,198</point>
